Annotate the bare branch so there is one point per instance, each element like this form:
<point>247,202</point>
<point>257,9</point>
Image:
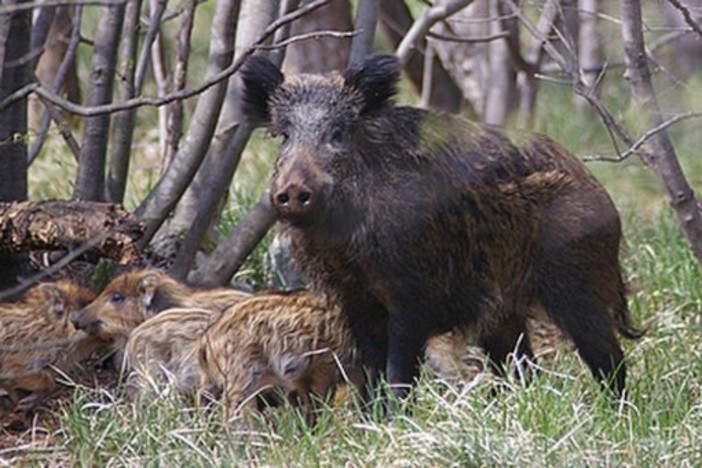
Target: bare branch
<point>645,137</point>
<point>307,37</point>
<point>687,15</point>
<point>428,18</point>
<point>468,40</point>
<point>158,7</point>
<point>64,129</point>
<point>178,95</point>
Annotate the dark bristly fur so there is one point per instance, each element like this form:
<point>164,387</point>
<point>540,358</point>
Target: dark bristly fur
<point>418,222</point>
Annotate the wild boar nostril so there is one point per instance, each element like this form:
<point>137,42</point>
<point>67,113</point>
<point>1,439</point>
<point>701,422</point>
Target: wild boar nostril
<point>282,198</point>
<point>304,198</point>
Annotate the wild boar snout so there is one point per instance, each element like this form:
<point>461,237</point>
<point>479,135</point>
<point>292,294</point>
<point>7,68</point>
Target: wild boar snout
<point>297,188</point>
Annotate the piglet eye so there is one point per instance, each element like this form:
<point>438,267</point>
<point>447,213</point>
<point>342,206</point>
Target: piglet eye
<point>337,136</point>
<point>117,298</point>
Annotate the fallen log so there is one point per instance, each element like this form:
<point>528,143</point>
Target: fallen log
<point>104,229</point>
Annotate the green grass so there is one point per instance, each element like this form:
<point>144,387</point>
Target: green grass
<point>560,418</point>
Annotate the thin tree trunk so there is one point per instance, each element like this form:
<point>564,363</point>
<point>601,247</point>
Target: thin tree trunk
<point>364,29</point>
<point>326,53</point>
<point>589,44</point>
<point>501,96</point>
<point>124,121</point>
<point>170,188</point>
<point>60,76</point>
<point>13,126</point>
<point>528,84</point>
<point>230,254</point>
<point>180,73</point>
<point>90,184</point>
<point>661,155</point>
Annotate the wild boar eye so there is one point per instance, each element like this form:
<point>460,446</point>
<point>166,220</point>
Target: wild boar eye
<point>337,136</point>
<point>117,298</point>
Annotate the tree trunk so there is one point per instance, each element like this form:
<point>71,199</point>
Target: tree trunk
<point>364,29</point>
<point>661,154</point>
<point>589,44</point>
<point>230,254</point>
<point>326,53</point>
<point>90,184</point>
<point>124,121</point>
<point>502,95</point>
<point>13,127</point>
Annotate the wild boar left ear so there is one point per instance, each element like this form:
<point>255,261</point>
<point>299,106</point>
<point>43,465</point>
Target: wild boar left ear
<point>147,289</point>
<point>261,78</point>
<point>54,298</point>
<point>375,78</point>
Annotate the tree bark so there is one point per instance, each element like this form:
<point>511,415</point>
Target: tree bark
<point>124,121</point>
<point>180,74</point>
<point>364,29</point>
<point>60,225</point>
<point>502,95</point>
<point>326,53</point>
<point>13,126</point>
<point>90,183</point>
<point>589,44</point>
<point>661,155</point>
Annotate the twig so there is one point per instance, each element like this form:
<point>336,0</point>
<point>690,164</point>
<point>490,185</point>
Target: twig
<point>467,40</point>
<point>643,138</point>
<point>580,88</point>
<point>428,18</point>
<point>178,95</point>
<point>306,37</point>
<point>64,129</point>
<point>687,15</point>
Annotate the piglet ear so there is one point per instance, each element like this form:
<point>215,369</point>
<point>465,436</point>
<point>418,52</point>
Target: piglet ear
<point>148,287</point>
<point>261,78</point>
<point>53,298</point>
<point>375,77</point>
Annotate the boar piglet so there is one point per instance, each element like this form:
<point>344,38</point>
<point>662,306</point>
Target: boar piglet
<point>36,337</point>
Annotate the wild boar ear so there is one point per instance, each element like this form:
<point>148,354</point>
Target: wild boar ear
<point>260,78</point>
<point>375,78</point>
<point>147,289</point>
<point>54,298</point>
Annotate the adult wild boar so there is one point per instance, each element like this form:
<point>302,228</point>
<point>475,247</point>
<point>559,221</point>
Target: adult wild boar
<point>418,222</point>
